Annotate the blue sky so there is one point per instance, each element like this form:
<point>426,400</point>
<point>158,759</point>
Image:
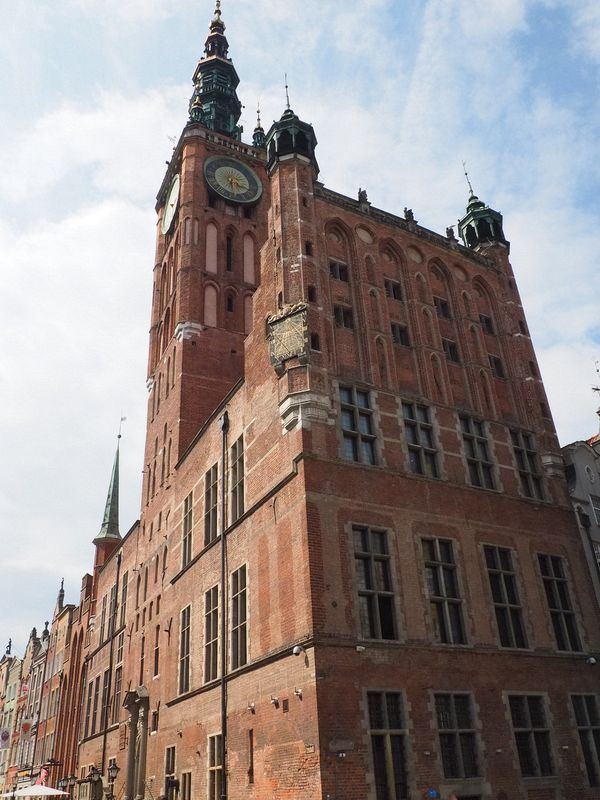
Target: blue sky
<point>400,92</point>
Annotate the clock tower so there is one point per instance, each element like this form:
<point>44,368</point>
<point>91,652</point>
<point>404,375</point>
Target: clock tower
<point>211,225</point>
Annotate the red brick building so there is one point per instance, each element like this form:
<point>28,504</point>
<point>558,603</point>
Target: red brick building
<point>357,573</point>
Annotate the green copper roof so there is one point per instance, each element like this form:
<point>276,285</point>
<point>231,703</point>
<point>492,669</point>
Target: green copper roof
<point>110,523</point>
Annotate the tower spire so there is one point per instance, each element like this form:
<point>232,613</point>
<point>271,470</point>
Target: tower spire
<point>109,529</point>
<point>215,103</point>
<point>258,137</point>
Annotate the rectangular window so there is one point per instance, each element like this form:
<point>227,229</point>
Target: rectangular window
<point>186,543</point>
<point>481,472</point>
<point>239,618</point>
<point>339,271</point>
<point>595,501</point>
<point>527,464</point>
<point>559,603</point>
<point>457,735</point>
<point>211,634</point>
<point>95,705</point>
<point>120,646</point>
<point>229,254</point>
<point>211,485</point>
<point>116,710</point>
<point>156,668</point>
<point>587,717</point>
<point>105,702</point>
<point>343,316</point>
<point>444,595</point>
<point>505,596</point>
<point>186,786</point>
<point>170,782</point>
<point>184,650</point>
<point>357,425</point>
<point>496,366</point>
<point>237,479</point>
<point>388,736</point>
<point>532,735</point>
<point>215,767</point>
<point>451,350</point>
<point>103,619</point>
<point>400,334</point>
<point>486,324</point>
<point>393,290</point>
<point>442,308</point>
<point>418,430</point>
<point>88,710</point>
<point>374,576</point>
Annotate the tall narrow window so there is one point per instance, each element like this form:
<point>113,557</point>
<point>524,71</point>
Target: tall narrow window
<point>505,595</point>
<point>457,735</point>
<point>229,254</point>
<point>237,479</point>
<point>357,425</point>
<point>95,705</point>
<point>393,290</point>
<point>451,350</point>
<point>487,325</point>
<point>444,595</point>
<point>400,334</point>
<point>558,598</point>
<point>481,471</point>
<point>105,701</point>
<point>442,307</point>
<point>419,438</point>
<point>532,735</point>
<point>388,736</point>
<point>339,271</point>
<point>496,366</point>
<point>587,717</point>
<point>528,464</point>
<point>170,782</point>
<point>239,618</point>
<point>184,650</point>
<point>215,767</point>
<point>211,480</point>
<point>375,591</point>
<point>156,668</point>
<point>186,786</point>
<point>251,756</point>
<point>211,634</point>
<point>88,710</point>
<point>103,620</point>
<point>186,545</point>
<point>116,709</point>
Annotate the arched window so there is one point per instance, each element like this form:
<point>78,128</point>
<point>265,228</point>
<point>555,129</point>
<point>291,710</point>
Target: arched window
<point>210,307</point>
<point>169,458</point>
<point>187,230</point>
<point>168,376</point>
<point>174,362</point>
<point>211,247</point>
<point>166,330</point>
<point>138,587</point>
<point>230,302</point>
<point>249,276</point>
<point>196,230</point>
<point>145,584</point>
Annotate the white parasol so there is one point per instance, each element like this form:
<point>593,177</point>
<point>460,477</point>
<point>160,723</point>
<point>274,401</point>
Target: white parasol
<point>35,791</point>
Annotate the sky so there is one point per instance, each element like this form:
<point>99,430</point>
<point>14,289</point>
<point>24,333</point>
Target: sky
<point>400,93</point>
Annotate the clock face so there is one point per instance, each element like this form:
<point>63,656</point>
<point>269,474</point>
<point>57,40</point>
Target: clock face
<point>170,205</point>
<point>232,179</point>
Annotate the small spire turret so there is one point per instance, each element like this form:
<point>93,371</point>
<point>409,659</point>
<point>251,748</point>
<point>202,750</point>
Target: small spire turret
<point>109,529</point>
<point>258,137</point>
<point>481,226</point>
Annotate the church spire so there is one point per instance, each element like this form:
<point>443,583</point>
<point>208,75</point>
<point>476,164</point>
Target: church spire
<point>215,103</point>
<point>109,530</point>
<point>481,226</point>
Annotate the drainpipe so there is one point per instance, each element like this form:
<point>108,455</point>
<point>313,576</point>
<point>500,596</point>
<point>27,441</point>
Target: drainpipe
<point>224,423</point>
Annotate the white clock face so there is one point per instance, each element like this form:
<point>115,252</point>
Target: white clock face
<point>232,179</point>
<point>170,205</point>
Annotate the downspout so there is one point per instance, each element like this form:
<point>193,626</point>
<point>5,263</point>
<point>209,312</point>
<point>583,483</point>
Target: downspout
<point>111,632</point>
<point>224,423</point>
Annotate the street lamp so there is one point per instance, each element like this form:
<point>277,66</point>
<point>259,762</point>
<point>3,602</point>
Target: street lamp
<point>71,781</point>
<point>113,771</point>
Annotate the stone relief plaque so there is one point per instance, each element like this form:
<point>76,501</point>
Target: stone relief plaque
<point>287,333</point>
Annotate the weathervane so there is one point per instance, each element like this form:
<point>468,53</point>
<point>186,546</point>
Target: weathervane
<point>121,421</point>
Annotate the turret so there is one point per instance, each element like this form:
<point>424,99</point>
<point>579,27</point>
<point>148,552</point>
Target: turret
<point>481,226</point>
<point>291,136</point>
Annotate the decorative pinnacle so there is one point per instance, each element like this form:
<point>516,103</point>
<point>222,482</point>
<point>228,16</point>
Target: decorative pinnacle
<point>287,93</point>
<point>464,163</point>
<point>258,125</point>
